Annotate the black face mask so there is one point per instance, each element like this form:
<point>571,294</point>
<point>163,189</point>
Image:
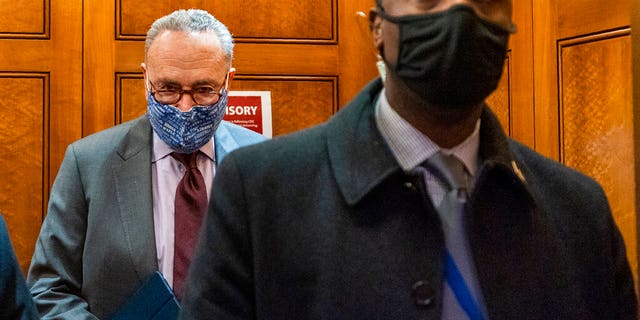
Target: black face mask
<point>450,58</point>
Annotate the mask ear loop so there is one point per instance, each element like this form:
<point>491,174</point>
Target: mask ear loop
<point>226,83</point>
<point>147,82</point>
<point>147,86</point>
<point>363,24</point>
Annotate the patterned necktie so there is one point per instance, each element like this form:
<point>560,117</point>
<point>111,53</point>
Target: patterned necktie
<point>462,290</point>
<point>190,206</point>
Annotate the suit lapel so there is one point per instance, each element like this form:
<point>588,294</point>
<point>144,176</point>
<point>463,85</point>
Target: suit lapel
<point>224,142</point>
<point>132,175</point>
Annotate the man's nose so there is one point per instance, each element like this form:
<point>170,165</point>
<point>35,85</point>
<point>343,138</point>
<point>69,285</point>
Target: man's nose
<point>186,102</point>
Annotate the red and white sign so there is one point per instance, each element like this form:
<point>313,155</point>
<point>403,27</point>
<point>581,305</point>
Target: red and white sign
<point>250,109</point>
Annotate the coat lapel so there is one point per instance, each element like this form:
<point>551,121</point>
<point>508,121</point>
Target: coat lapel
<point>132,174</point>
<point>515,251</point>
<point>516,254</point>
<point>358,154</point>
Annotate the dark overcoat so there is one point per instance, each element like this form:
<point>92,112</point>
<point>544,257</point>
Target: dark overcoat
<point>324,224</point>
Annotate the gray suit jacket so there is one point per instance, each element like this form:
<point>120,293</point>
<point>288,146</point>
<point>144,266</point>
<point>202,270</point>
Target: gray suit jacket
<point>97,242</point>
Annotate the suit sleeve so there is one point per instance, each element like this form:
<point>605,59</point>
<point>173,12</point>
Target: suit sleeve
<point>220,282</point>
<point>15,300</point>
<point>55,274</point>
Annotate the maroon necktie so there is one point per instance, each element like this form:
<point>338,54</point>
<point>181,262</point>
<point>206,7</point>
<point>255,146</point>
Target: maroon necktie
<point>190,206</point>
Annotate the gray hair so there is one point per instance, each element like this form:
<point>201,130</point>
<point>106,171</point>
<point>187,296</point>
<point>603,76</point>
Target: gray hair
<point>192,20</point>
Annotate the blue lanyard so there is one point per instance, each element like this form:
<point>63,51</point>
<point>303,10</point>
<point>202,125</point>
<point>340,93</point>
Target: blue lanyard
<point>460,289</point>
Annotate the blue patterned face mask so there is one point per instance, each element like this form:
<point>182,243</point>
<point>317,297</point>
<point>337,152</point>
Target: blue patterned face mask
<point>185,132</point>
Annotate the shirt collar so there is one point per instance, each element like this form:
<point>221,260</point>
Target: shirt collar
<point>161,149</point>
<point>411,147</point>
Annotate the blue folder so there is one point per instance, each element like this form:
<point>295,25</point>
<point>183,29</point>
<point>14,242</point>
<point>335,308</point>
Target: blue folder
<point>154,300</point>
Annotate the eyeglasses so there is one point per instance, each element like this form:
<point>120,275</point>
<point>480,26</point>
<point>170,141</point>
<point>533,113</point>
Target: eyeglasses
<point>203,95</point>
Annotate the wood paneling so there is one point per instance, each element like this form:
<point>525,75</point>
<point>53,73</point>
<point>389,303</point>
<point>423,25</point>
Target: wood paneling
<point>318,51</point>
<point>64,62</point>
<point>597,120</point>
<point>500,99</point>
<point>296,102</point>
<point>252,58</point>
<point>545,78</point>
<point>357,57</point>
<point>314,56</point>
<point>24,19</point>
<point>521,80</point>
<point>41,73</point>
<point>577,18</point>
<point>100,66</point>
<point>635,50</point>
<point>270,21</point>
<point>130,96</point>
<point>23,139</point>
<point>583,98</point>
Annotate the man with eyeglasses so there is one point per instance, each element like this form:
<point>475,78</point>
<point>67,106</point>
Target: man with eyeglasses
<point>411,202</point>
<point>129,201</point>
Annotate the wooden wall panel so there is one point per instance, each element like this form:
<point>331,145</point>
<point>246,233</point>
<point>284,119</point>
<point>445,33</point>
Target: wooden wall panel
<point>41,70</point>
<point>265,20</point>
<point>296,102</point>
<point>314,56</point>
<point>583,17</point>
<point>596,120</point>
<point>98,58</point>
<point>63,57</point>
<point>23,140</point>
<point>314,52</point>
<point>545,77</point>
<point>251,58</point>
<point>521,84</point>
<point>24,19</point>
<point>576,95</point>
<point>357,57</point>
<point>500,100</point>
<point>635,58</point>
<point>130,96</point>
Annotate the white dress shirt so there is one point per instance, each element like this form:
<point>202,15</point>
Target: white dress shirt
<point>166,174</point>
<point>411,148</point>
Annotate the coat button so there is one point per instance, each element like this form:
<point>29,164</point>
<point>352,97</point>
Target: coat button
<point>409,185</point>
<point>423,294</point>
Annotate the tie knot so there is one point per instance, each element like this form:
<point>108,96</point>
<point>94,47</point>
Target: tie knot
<point>187,159</point>
<point>449,169</point>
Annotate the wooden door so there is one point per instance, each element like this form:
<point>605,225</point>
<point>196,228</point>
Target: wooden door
<point>584,98</point>
<point>295,49</point>
<point>70,68</point>
<point>512,102</point>
<point>40,107</point>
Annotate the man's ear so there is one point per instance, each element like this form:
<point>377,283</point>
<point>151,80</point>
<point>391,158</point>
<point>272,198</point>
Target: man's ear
<point>144,78</point>
<point>375,24</point>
